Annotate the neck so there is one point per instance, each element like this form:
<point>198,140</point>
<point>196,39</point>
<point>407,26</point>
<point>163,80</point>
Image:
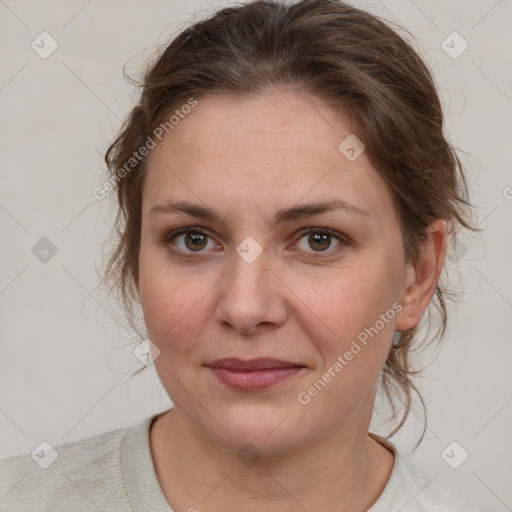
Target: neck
<point>344,471</point>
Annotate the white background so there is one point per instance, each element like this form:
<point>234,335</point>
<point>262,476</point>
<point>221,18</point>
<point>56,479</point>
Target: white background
<point>66,353</point>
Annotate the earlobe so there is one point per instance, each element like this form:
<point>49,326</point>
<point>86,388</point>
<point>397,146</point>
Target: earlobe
<point>421,279</point>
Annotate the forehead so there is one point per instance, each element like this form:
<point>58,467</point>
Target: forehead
<point>257,148</point>
<point>277,122</point>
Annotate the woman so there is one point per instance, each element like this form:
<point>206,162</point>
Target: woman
<point>285,198</point>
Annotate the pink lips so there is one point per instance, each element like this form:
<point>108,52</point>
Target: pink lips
<point>254,374</point>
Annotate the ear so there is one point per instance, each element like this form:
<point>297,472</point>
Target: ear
<point>421,279</point>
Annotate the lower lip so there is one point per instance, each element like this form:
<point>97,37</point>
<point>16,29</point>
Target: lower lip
<point>256,379</point>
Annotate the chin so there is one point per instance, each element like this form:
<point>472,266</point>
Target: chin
<point>271,430</point>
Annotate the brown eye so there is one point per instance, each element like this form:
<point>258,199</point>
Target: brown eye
<point>320,240</point>
<point>195,241</point>
<point>188,241</point>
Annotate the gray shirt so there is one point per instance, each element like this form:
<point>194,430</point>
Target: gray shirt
<point>114,471</point>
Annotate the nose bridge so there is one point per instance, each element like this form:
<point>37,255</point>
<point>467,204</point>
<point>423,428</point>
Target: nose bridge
<point>249,293</point>
<point>249,275</point>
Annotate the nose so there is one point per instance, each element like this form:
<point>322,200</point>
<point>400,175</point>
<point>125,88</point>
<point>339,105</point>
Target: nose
<point>251,297</point>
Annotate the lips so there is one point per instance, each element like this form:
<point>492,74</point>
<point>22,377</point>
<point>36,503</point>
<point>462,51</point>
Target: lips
<point>252,364</point>
<point>255,374</point>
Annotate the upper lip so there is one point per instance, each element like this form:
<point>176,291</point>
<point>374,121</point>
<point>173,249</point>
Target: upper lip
<point>263,363</point>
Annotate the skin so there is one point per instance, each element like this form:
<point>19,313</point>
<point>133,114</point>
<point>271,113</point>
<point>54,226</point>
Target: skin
<point>246,159</point>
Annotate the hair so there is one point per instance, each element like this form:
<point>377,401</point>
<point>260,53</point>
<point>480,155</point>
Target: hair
<point>353,61</point>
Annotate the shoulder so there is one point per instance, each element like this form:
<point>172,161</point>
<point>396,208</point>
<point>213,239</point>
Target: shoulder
<point>427,494</point>
<point>410,489</point>
<point>80,475</point>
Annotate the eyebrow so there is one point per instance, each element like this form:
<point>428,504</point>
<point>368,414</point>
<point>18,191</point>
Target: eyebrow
<point>284,215</point>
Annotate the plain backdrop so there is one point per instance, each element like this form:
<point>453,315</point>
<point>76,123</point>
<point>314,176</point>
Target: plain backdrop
<point>66,351</point>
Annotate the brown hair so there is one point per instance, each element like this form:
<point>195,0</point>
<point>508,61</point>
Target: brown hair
<point>345,56</point>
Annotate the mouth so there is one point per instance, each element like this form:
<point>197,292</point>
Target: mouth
<point>255,374</point>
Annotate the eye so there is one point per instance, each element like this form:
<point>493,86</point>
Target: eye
<point>188,240</point>
<point>320,239</point>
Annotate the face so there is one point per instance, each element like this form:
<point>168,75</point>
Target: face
<point>264,277</point>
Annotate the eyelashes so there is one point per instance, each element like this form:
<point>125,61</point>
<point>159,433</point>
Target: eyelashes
<point>194,235</point>
<point>197,242</point>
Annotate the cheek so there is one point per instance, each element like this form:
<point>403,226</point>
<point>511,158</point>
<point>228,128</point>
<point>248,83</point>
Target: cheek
<point>353,354</point>
<point>173,302</point>
<point>354,297</point>
<point>357,308</point>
